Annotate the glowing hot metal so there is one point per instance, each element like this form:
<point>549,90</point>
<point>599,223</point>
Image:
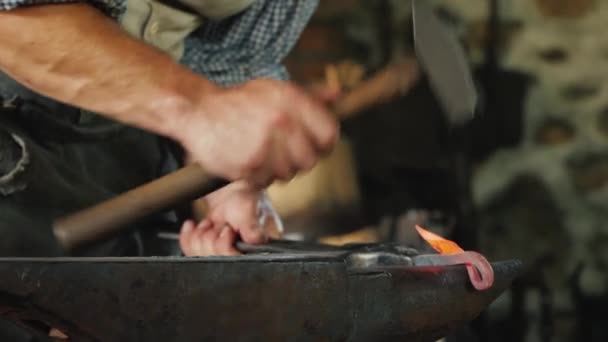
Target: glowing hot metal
<point>479,269</point>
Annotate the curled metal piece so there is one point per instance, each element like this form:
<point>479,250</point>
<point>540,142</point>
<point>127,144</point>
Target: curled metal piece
<point>479,269</point>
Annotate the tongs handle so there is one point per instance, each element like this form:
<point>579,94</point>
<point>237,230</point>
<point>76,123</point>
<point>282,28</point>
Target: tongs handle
<point>285,246</point>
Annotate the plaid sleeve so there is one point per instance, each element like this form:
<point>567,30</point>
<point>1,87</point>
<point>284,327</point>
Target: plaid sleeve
<point>250,45</point>
<point>112,8</point>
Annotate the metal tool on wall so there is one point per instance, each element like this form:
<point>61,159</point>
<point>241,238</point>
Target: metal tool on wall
<point>443,60</point>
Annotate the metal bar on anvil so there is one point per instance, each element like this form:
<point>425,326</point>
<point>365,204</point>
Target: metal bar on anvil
<point>332,296</point>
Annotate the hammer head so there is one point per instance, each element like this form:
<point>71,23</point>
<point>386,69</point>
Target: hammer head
<point>443,59</point>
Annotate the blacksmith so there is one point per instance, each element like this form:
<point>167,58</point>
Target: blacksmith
<point>95,93</point>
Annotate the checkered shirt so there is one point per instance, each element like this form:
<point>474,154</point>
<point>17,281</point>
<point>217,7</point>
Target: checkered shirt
<point>249,45</point>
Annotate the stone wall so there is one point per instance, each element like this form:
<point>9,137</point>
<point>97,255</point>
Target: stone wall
<point>544,198</point>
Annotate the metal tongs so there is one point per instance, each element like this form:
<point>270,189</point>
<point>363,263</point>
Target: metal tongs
<point>266,210</point>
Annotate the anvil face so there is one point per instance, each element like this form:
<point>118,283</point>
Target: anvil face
<point>328,296</point>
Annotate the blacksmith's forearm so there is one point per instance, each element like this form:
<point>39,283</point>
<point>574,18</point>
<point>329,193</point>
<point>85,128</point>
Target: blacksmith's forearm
<point>76,55</point>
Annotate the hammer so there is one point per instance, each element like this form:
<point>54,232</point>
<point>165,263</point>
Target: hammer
<point>192,182</point>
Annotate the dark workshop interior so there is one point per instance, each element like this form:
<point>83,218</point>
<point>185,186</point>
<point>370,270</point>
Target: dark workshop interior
<point>521,178</point>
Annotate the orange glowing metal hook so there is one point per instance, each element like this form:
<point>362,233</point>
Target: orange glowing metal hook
<point>441,245</point>
<point>478,268</point>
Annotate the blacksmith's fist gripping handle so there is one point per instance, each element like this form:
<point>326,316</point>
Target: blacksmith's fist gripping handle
<point>191,182</point>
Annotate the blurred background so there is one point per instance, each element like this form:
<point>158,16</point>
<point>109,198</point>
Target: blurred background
<point>527,178</point>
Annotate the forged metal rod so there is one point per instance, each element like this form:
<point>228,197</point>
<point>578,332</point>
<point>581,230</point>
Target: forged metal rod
<point>191,182</point>
<point>479,269</point>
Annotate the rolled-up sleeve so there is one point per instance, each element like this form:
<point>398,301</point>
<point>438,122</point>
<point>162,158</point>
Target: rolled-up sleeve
<point>112,8</point>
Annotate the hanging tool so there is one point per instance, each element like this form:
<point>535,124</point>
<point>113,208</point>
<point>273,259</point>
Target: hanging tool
<point>443,60</point>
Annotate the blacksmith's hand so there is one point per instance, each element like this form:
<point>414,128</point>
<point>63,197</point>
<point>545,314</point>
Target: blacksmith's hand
<point>231,214</point>
<point>262,131</point>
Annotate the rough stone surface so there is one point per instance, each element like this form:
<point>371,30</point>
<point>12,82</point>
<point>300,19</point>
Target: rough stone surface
<point>562,45</point>
<point>544,200</point>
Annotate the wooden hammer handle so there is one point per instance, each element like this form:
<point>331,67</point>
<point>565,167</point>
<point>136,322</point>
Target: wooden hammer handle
<point>191,182</point>
<point>397,78</point>
<point>112,216</point>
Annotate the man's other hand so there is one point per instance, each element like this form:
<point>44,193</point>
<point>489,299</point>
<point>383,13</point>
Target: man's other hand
<point>262,131</point>
<point>231,214</point>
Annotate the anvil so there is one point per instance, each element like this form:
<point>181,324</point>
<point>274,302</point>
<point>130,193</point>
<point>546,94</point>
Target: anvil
<point>332,294</point>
